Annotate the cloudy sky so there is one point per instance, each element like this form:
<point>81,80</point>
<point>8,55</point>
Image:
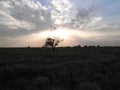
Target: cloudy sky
<point>86,22</point>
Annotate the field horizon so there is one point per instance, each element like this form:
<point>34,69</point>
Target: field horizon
<point>70,68</point>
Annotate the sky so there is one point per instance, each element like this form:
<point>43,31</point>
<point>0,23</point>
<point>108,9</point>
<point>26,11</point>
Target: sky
<point>79,22</point>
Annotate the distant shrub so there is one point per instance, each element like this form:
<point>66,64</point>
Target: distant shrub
<point>78,46</point>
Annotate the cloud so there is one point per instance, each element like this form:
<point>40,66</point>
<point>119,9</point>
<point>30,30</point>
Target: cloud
<point>65,13</point>
<point>62,11</point>
<point>31,15</point>
<point>21,18</point>
<point>23,15</point>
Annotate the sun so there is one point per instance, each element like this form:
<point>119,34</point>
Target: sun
<point>68,36</point>
<point>61,33</point>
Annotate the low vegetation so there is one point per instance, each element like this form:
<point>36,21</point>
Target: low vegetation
<point>77,68</point>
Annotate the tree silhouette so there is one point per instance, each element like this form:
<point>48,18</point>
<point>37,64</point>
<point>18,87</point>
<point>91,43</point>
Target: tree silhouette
<point>52,42</point>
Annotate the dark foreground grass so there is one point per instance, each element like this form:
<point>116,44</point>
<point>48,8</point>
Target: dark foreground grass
<point>87,68</point>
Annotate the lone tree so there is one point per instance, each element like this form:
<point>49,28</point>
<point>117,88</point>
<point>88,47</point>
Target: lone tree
<point>52,42</point>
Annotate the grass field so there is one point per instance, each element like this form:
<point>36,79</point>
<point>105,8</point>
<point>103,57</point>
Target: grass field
<point>78,68</point>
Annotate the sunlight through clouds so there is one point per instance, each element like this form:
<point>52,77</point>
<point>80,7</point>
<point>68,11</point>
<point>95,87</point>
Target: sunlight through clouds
<point>32,15</point>
<point>74,20</point>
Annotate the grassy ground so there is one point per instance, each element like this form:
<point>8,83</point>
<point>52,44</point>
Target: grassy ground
<point>86,68</point>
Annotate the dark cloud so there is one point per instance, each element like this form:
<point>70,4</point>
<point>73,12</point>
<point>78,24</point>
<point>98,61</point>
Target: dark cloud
<point>66,14</point>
